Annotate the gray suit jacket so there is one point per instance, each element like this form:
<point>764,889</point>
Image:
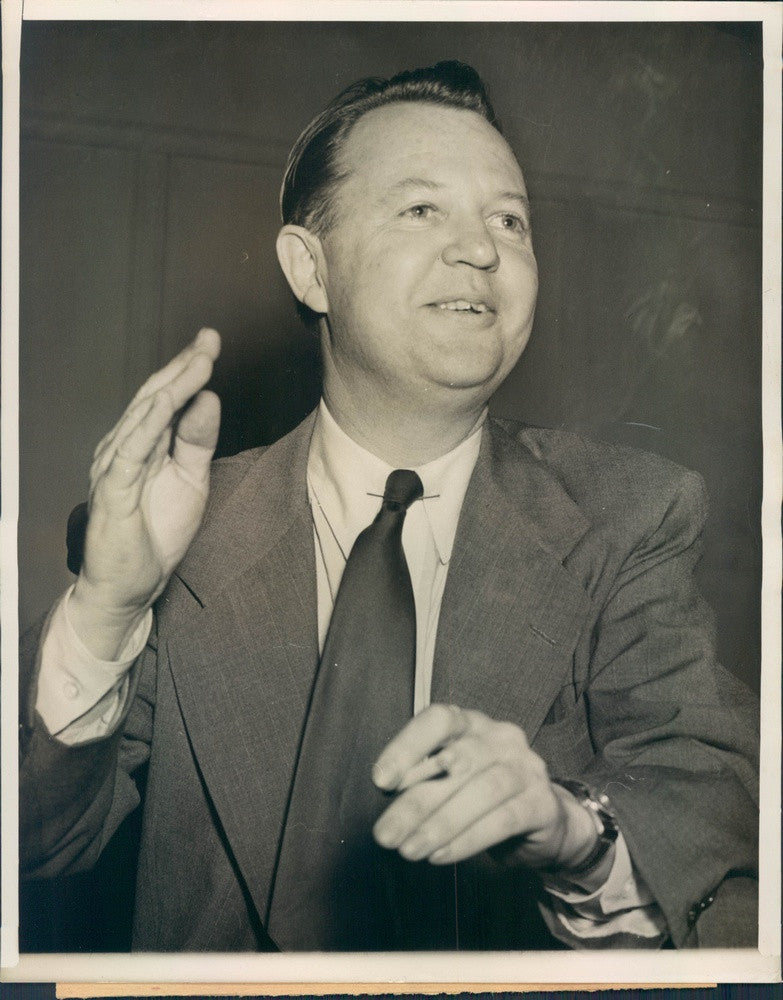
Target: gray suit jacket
<point>569,609</point>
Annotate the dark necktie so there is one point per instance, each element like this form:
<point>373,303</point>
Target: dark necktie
<point>334,887</point>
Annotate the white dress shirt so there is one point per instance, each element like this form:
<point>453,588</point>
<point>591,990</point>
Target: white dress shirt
<point>345,484</point>
<point>80,697</point>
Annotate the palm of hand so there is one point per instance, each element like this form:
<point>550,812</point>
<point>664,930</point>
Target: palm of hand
<point>150,481</point>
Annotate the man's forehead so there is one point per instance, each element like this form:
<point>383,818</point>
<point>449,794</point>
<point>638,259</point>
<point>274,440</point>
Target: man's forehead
<point>420,117</point>
<point>407,137</point>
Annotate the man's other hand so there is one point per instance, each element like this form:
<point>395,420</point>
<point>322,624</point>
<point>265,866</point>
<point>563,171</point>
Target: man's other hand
<point>466,784</point>
<point>149,484</point>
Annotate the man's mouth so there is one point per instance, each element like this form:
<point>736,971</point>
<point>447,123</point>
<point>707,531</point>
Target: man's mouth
<point>463,305</point>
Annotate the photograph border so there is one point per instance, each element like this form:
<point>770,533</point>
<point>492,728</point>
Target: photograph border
<point>354,972</point>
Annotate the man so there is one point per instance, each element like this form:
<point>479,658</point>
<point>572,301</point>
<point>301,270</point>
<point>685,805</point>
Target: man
<point>235,645</point>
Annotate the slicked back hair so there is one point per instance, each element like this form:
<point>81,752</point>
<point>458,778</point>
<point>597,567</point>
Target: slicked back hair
<point>312,173</point>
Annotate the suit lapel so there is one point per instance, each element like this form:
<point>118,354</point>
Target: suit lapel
<point>511,613</point>
<point>244,650</point>
<point>244,653</point>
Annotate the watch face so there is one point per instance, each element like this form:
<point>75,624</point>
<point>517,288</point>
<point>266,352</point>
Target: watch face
<point>610,827</point>
<point>598,804</point>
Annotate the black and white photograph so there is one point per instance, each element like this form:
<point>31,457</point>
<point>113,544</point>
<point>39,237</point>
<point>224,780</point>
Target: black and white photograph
<point>390,481</point>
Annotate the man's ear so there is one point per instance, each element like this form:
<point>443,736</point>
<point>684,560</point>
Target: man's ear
<point>301,258</point>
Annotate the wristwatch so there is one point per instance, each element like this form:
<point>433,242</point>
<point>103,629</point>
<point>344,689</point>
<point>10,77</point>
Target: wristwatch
<point>602,816</point>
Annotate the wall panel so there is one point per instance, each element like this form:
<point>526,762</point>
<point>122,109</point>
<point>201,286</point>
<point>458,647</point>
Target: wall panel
<point>74,295</point>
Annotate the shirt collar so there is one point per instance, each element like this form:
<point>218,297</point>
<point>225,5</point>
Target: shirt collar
<point>347,481</point>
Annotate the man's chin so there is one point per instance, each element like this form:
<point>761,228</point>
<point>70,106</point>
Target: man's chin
<point>466,374</point>
<point>473,368</point>
<point>465,387</point>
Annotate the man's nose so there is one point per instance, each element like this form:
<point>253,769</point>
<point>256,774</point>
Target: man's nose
<point>471,243</point>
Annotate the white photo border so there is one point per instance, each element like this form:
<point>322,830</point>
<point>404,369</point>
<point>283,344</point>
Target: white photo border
<point>509,969</point>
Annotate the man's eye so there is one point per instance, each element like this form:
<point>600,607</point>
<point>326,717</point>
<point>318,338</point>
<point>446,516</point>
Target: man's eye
<point>419,211</point>
<point>512,223</point>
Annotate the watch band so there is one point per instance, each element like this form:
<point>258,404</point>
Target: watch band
<point>601,813</point>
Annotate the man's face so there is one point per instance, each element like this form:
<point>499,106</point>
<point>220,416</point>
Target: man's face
<point>429,269</point>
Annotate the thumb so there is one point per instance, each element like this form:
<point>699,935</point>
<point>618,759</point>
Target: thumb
<point>196,437</point>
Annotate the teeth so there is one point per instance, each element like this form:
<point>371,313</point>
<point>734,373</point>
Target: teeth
<point>462,305</point>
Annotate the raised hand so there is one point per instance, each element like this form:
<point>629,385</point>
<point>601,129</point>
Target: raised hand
<point>466,784</point>
<point>149,484</point>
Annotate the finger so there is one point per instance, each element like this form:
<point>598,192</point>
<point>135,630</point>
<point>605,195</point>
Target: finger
<point>522,815</point>
<point>481,795</point>
<point>123,462</point>
<point>413,809</point>
<point>134,409</point>
<point>159,455</point>
<point>127,423</point>
<point>146,443</point>
<point>406,814</point>
<point>200,422</point>
<point>196,438</point>
<point>123,480</point>
<point>426,732</point>
<point>430,767</point>
<point>459,758</point>
<point>139,431</point>
<point>206,342</point>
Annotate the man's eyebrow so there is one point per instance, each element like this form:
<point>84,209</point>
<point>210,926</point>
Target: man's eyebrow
<point>412,183</point>
<point>422,183</point>
<point>517,196</point>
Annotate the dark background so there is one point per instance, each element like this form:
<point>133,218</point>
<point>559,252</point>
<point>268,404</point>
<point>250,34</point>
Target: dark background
<point>151,159</point>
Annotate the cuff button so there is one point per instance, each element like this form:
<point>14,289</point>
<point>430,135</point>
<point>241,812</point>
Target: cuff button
<point>71,690</point>
<point>696,911</point>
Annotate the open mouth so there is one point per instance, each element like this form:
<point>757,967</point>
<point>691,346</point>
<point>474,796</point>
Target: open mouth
<point>463,306</point>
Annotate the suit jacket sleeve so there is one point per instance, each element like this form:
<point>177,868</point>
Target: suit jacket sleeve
<point>675,734</point>
<point>73,798</point>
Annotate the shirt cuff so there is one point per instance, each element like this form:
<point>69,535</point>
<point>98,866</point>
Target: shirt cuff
<point>73,682</point>
<point>621,913</point>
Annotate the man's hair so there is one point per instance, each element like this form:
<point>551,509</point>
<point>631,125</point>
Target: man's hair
<point>312,173</point>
